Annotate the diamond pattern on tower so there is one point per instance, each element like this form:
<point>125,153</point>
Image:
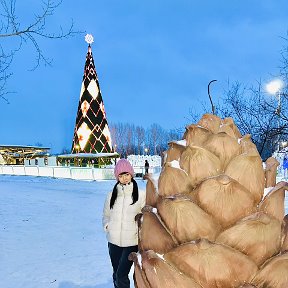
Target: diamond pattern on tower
<point>93,89</point>
<point>85,107</point>
<point>83,134</point>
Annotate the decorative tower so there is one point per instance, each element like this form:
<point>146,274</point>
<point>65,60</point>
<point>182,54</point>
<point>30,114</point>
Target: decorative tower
<point>91,133</point>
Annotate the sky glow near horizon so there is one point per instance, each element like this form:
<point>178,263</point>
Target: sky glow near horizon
<point>154,61</point>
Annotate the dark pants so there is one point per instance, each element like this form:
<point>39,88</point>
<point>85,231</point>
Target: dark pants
<point>121,265</point>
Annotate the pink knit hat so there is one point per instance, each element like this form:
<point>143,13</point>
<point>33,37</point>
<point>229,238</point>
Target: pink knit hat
<point>122,166</point>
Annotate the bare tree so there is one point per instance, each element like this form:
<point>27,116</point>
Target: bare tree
<point>155,136</point>
<point>258,114</point>
<point>140,139</point>
<point>117,133</point>
<point>174,135</point>
<point>130,138</point>
<point>284,60</point>
<point>5,61</point>
<point>30,33</point>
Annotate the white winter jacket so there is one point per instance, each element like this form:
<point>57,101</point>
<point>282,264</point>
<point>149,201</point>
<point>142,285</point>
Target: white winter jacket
<point>119,222</point>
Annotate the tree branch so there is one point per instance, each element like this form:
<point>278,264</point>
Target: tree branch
<point>32,33</point>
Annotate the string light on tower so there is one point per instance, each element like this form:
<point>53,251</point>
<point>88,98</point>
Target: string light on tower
<point>91,132</point>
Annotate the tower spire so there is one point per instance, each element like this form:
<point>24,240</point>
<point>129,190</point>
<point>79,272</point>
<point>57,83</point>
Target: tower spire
<point>91,133</point>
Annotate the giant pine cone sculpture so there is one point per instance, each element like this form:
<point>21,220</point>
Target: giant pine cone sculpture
<point>215,217</point>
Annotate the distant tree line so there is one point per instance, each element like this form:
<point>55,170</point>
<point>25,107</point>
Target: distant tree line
<point>129,139</point>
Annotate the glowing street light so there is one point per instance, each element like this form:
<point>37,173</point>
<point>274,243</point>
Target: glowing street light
<point>146,150</point>
<point>284,144</point>
<point>274,86</point>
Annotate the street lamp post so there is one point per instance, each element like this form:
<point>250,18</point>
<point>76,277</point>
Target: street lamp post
<point>274,87</point>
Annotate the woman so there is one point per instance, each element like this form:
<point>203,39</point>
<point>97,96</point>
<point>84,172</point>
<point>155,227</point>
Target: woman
<point>121,207</point>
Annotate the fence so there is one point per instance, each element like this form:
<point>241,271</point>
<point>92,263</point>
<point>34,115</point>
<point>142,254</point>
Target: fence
<point>79,173</point>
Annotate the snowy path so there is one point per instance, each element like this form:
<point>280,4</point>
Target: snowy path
<point>51,233</point>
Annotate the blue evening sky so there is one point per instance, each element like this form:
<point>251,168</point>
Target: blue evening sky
<point>154,59</point>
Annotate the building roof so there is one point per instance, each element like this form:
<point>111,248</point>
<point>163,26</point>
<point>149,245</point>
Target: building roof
<point>10,153</point>
<point>89,155</point>
<point>18,147</point>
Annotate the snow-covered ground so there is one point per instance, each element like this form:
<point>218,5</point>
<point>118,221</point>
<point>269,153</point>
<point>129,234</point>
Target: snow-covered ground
<point>51,233</point>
